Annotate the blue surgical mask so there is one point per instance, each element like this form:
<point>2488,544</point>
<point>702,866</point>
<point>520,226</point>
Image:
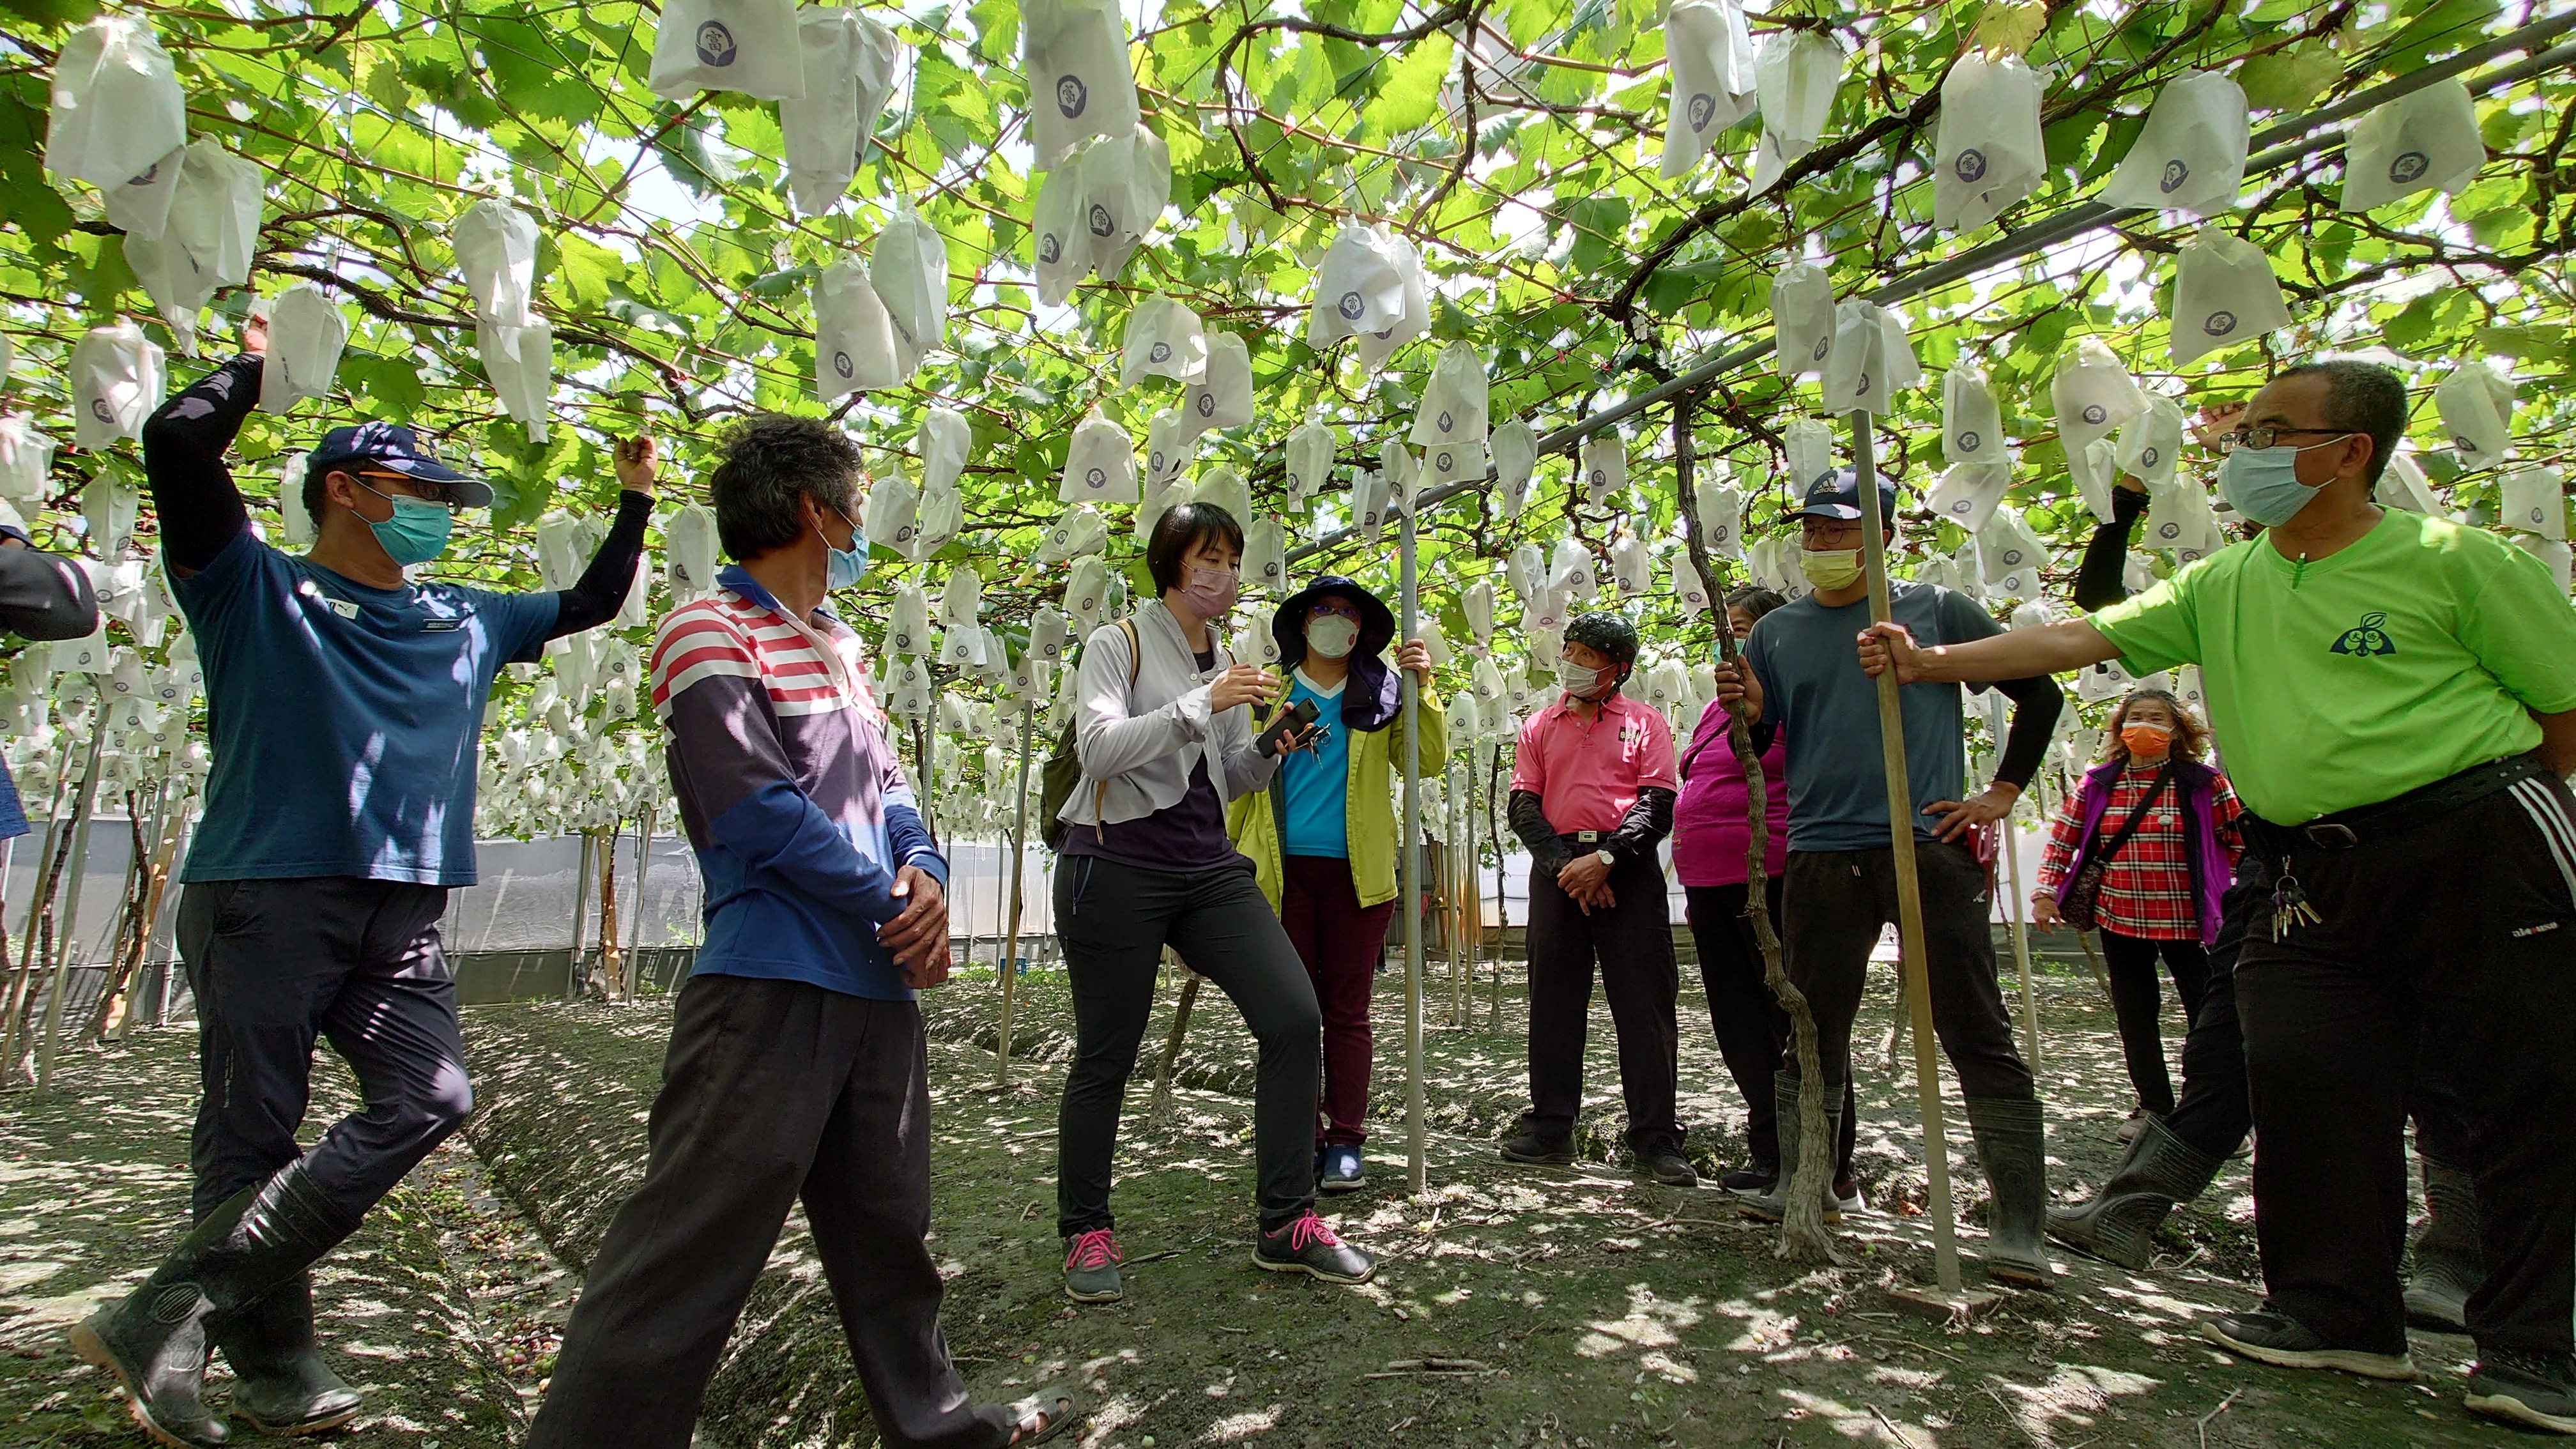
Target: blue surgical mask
<point>2262,484</point>
<point>846,566</point>
<point>416,533</point>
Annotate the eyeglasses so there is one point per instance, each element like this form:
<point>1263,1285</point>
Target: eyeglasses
<point>2264,437</point>
<point>1342,607</point>
<point>433,499</point>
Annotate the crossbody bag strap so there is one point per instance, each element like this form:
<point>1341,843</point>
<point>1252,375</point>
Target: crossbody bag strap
<point>2138,817</point>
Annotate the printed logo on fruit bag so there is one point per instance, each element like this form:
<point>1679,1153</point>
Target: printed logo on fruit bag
<point>1153,463</point>
<point>2169,531</point>
<point>2408,165</point>
<point>150,173</point>
<point>1071,95</point>
<point>2177,171</point>
<point>2095,413</point>
<point>1823,346</point>
<point>2365,637</point>
<point>1442,461</point>
<point>1159,352</point>
<point>1049,249</point>
<point>1099,477</point>
<point>1861,384</point>
<point>2012,558</point>
<point>1971,165</point>
<point>715,44</point>
<point>1600,479</point>
<point>1446,422</point>
<point>1350,306</point>
<point>842,364</point>
<point>1969,440</point>
<point>99,409</point>
<point>1703,109</point>
<point>903,535</point>
<point>2219,324</point>
<point>1102,223</point>
<point>2147,458</point>
<point>1207,404</point>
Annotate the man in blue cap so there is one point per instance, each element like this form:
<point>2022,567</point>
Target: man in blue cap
<point>1841,876</point>
<point>343,702</point>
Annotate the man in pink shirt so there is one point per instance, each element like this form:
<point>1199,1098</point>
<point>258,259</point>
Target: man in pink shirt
<point>1592,795</point>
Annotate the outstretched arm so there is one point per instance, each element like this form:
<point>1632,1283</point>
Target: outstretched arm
<point>193,496</point>
<point>2019,654</point>
<point>42,595</point>
<point>2101,580</point>
<point>600,592</point>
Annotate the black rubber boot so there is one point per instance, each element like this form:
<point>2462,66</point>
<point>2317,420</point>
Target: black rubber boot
<point>155,1339</point>
<point>280,1384</point>
<point>1771,1206</point>
<point>2158,1172</point>
<point>2012,1146</point>
<point>2448,1264</point>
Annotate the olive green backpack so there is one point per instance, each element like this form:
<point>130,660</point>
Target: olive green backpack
<point>1063,769</point>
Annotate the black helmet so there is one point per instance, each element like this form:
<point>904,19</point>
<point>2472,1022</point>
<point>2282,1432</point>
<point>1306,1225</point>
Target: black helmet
<point>1609,633</point>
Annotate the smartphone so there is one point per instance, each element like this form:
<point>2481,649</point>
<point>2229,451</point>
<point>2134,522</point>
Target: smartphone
<point>1295,718</point>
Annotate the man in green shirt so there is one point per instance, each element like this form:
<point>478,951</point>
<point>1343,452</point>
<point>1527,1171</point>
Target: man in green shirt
<point>2395,695</point>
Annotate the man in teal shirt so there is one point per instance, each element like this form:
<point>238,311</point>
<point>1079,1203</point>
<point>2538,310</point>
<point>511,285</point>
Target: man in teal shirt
<point>2396,698</point>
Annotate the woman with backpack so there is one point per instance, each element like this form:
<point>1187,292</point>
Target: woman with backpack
<point>1322,838</point>
<point>2142,850</point>
<point>1165,736</point>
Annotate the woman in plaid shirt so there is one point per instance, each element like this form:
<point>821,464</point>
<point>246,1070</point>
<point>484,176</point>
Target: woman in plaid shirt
<point>2159,894</point>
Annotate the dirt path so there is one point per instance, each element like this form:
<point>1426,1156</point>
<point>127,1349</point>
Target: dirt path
<point>1517,1307</point>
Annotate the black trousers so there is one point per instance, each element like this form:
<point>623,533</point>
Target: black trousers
<point>2137,1003</point>
<point>1114,921</point>
<point>2447,952</point>
<point>2213,1114</point>
<point>772,1092</point>
<point>276,964</point>
<point>1632,941</point>
<point>1839,900</point>
<point>1752,1030</point>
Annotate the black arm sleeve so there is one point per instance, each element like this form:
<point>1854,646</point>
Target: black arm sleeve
<point>193,497</point>
<point>2099,580</point>
<point>601,590</point>
<point>44,595</point>
<point>1644,826</point>
<point>2036,702</point>
<point>1529,822</point>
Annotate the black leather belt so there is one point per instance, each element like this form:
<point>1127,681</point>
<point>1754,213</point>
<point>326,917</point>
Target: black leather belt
<point>2359,826</point>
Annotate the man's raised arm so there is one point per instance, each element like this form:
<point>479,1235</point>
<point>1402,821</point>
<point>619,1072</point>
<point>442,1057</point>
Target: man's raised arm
<point>2018,654</point>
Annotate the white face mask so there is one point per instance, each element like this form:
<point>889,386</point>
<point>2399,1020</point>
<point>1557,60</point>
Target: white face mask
<point>1332,635</point>
<point>1577,681</point>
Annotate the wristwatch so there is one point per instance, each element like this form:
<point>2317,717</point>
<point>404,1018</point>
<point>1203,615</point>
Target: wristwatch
<point>1605,857</point>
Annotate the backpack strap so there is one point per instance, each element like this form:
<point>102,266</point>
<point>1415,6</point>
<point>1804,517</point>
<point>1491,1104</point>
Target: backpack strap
<point>1135,666</point>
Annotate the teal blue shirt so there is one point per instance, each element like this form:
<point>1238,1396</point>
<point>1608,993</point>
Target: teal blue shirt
<point>1318,779</point>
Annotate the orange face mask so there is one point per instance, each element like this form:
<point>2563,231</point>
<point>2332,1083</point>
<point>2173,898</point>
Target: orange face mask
<point>2145,739</point>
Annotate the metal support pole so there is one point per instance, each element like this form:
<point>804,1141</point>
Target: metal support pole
<point>580,919</point>
<point>1410,855</point>
<point>1019,857</point>
<point>2020,942</point>
<point>1912,960</point>
<point>72,869</point>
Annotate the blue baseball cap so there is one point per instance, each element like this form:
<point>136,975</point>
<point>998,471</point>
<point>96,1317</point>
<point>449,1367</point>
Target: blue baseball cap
<point>393,448</point>
<point>1837,495</point>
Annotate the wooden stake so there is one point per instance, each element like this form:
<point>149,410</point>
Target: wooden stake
<point>573,975</point>
<point>1019,855</point>
<point>78,859</point>
<point>1909,887</point>
<point>1409,856</point>
<point>31,955</point>
<point>1172,1043</point>
<point>635,924</point>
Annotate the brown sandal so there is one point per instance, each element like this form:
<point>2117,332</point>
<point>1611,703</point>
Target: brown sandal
<point>1036,1426</point>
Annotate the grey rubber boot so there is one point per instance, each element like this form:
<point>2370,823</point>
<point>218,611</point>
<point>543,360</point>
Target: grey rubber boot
<point>1771,1206</point>
<point>280,1384</point>
<point>2158,1172</point>
<point>2448,1264</point>
<point>155,1339</point>
<point>2012,1146</point>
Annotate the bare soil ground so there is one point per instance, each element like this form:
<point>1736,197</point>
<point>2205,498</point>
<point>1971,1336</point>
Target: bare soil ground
<point>1516,1306</point>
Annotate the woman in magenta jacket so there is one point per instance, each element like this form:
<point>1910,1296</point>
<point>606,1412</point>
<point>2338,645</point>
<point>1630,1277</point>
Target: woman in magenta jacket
<point>1712,838</point>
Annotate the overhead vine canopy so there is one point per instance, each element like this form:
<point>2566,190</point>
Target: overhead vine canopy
<point>1514,143</point>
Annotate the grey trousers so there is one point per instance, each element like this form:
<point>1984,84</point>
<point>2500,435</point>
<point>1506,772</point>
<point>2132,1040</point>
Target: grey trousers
<point>772,1092</point>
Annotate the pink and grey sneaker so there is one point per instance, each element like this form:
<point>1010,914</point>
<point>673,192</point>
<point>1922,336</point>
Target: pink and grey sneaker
<point>1305,1245</point>
<point>1091,1267</point>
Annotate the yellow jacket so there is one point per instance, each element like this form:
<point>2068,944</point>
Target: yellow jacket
<point>1255,821</point>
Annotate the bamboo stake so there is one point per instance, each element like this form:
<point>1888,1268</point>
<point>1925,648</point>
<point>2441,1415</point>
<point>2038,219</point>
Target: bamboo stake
<point>2020,943</point>
<point>22,986</point>
<point>153,865</point>
<point>1019,856</point>
<point>1912,961</point>
<point>1502,902</point>
<point>635,923</point>
<point>71,912</point>
<point>172,836</point>
<point>612,963</point>
<point>573,975</point>
<point>1410,858</point>
<point>1802,1217</point>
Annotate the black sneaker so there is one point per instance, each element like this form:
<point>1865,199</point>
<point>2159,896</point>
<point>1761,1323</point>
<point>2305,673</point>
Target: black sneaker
<point>1341,1171</point>
<point>1751,1181</point>
<point>2284,1342</point>
<point>1669,1168</point>
<point>1307,1246</point>
<point>2534,1390</point>
<point>1543,1151</point>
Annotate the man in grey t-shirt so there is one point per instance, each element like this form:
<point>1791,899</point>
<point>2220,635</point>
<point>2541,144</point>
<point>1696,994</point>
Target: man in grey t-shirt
<point>1841,875</point>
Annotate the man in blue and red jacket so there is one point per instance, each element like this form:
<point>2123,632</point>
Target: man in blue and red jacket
<point>797,1067</point>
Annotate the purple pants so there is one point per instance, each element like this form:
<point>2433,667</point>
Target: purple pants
<point>1339,940</point>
